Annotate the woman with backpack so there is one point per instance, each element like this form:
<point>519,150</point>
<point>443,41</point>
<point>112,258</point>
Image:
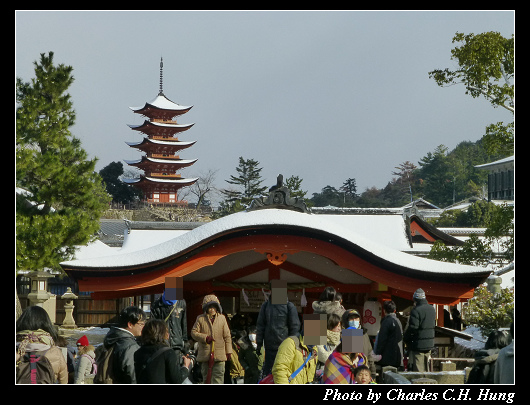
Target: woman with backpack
<point>155,362</point>
<point>35,348</point>
<point>86,360</point>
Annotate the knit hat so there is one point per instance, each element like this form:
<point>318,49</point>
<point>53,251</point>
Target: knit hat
<point>419,294</point>
<point>83,341</point>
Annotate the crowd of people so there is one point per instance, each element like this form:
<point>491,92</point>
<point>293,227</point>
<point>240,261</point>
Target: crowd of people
<point>329,346</point>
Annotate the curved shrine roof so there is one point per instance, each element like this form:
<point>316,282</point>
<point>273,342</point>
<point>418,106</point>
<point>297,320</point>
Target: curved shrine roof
<point>275,230</point>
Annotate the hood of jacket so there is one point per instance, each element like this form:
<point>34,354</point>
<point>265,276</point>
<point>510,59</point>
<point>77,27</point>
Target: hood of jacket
<point>211,299</point>
<point>328,307</point>
<point>116,334</point>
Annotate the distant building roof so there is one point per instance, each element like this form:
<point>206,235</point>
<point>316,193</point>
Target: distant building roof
<point>507,161</point>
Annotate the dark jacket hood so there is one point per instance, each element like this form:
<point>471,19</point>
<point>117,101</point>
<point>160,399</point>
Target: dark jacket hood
<point>116,334</point>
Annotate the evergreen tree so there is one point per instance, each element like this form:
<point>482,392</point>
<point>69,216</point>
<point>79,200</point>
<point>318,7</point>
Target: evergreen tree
<point>248,181</point>
<point>438,179</point>
<point>63,198</point>
<point>294,184</point>
<point>120,191</point>
<point>329,195</point>
<point>349,192</point>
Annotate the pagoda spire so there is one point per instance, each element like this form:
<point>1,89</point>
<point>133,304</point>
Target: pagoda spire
<point>160,93</point>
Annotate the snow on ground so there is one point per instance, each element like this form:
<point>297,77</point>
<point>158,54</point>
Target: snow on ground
<point>94,334</point>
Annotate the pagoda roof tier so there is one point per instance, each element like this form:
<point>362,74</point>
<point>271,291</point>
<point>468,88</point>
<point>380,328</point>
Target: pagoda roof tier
<point>156,164</point>
<point>160,128</point>
<point>161,107</point>
<point>157,145</point>
<point>160,184</point>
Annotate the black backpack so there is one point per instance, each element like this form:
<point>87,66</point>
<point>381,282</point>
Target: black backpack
<point>35,368</point>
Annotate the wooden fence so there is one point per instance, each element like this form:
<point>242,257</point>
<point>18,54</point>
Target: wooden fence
<point>87,312</point>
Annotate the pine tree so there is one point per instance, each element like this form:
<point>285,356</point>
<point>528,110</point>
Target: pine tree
<point>120,191</point>
<point>63,198</point>
<point>249,182</point>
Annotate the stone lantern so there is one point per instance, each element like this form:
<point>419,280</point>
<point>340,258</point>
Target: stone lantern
<point>69,296</point>
<point>39,287</point>
<point>494,284</point>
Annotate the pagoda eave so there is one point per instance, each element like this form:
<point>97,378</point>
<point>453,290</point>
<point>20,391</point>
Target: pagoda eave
<point>157,164</point>
<point>156,146</point>
<point>156,128</point>
<point>147,183</point>
<point>161,106</point>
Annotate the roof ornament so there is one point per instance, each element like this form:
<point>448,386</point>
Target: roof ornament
<point>279,197</point>
<point>160,93</point>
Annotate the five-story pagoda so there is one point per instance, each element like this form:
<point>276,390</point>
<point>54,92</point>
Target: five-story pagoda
<point>160,163</point>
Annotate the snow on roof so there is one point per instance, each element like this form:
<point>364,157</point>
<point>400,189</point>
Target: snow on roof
<point>176,181</point>
<point>139,239</point>
<point>389,230</point>
<point>497,162</point>
<point>159,124</point>
<point>158,142</point>
<point>163,103</point>
<point>159,180</point>
<point>94,249</point>
<point>268,217</point>
<point>167,160</point>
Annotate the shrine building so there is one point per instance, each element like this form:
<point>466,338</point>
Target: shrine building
<point>160,182</point>
<point>277,237</point>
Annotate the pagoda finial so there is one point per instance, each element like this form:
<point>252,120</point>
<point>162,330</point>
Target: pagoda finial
<point>161,75</point>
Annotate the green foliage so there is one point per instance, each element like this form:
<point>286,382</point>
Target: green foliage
<point>249,186</point>
<point>485,67</point>
<point>65,197</point>
<point>500,138</point>
<point>473,252</point>
<point>446,177</point>
<point>227,208</point>
<point>120,191</point>
<point>499,234</point>
<point>248,180</point>
<point>490,311</point>
<point>329,195</point>
<point>294,184</point>
<point>480,214</point>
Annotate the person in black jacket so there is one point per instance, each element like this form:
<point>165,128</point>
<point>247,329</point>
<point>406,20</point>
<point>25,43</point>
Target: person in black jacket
<point>173,312</point>
<point>155,362</point>
<point>419,335</point>
<point>276,322</point>
<point>388,343</point>
<point>483,370</point>
<point>130,324</point>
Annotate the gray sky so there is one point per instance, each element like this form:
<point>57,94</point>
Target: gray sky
<point>322,95</point>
